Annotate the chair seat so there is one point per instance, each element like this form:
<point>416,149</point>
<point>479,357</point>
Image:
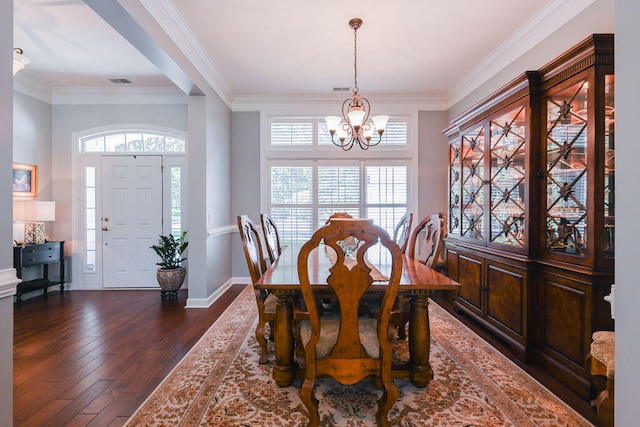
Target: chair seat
<point>270,304</point>
<point>330,326</point>
<point>603,350</point>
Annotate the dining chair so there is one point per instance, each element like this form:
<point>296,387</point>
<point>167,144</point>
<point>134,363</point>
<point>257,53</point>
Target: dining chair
<point>346,347</point>
<point>257,266</point>
<point>425,246</point>
<point>271,237</point>
<point>343,215</point>
<point>402,231</point>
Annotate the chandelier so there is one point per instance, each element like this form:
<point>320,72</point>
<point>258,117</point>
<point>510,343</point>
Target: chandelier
<point>355,112</point>
<point>19,60</point>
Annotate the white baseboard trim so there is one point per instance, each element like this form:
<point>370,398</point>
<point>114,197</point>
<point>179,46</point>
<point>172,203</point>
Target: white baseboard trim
<point>207,302</point>
<point>8,282</point>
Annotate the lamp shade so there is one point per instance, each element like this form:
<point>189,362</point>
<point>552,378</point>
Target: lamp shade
<point>19,60</point>
<point>34,211</point>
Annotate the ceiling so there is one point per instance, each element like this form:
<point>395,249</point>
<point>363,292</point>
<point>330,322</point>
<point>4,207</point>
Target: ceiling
<point>286,47</point>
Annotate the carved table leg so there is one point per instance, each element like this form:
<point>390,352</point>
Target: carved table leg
<point>284,369</point>
<point>420,370</point>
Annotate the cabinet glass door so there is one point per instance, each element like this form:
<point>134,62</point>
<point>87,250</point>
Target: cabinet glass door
<point>472,159</point>
<point>507,178</point>
<point>609,168</point>
<point>454,188</point>
<point>566,169</point>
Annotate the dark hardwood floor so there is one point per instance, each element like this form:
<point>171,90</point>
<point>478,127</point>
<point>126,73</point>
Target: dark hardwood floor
<point>90,358</point>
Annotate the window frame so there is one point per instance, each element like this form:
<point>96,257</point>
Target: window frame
<point>393,155</point>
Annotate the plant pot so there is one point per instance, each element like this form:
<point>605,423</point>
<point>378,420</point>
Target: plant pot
<point>170,281</point>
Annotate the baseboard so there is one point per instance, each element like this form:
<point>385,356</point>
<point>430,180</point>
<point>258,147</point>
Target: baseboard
<point>8,282</point>
<point>207,302</point>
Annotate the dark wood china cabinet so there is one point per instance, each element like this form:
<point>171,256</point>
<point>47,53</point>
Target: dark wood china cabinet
<point>531,224</point>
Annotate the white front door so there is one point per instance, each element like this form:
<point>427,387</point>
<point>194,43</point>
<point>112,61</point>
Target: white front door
<point>131,220</point>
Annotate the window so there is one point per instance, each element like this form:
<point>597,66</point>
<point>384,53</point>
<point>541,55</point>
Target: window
<point>132,142</point>
<point>311,179</point>
<point>90,218</point>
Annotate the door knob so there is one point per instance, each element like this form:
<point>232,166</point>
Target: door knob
<point>105,228</point>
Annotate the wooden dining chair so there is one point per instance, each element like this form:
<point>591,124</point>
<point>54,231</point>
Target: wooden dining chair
<point>271,237</point>
<point>347,347</point>
<point>402,231</point>
<point>425,246</point>
<point>257,266</point>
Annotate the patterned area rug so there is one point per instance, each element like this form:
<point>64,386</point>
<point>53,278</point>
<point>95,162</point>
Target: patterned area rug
<point>220,383</point>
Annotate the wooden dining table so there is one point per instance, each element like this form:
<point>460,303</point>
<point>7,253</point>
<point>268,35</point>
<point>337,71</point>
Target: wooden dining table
<point>417,283</point>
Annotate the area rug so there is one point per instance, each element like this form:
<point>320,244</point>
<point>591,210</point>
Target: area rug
<point>220,383</point>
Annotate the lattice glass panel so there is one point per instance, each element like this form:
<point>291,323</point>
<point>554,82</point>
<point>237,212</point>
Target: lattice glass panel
<point>472,159</point>
<point>566,169</point>
<point>507,178</point>
<point>454,188</point>
<point>609,168</point>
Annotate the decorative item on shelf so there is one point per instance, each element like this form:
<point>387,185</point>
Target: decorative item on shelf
<point>19,60</point>
<point>355,112</point>
<point>34,213</point>
<point>171,273</point>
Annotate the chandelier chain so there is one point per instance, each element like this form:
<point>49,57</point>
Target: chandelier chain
<point>355,60</point>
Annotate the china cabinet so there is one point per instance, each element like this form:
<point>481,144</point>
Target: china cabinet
<point>531,225</point>
<point>489,160</point>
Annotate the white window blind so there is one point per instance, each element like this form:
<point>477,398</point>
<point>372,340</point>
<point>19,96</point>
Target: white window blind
<point>315,179</point>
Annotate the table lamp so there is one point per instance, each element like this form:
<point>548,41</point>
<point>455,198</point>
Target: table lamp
<point>34,213</point>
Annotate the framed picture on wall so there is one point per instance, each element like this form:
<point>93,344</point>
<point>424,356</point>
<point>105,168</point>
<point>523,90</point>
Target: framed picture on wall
<point>25,181</point>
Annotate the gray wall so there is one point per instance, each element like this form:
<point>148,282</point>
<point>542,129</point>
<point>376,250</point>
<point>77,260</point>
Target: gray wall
<point>7,274</point>
<point>432,164</point>
<point>245,178</point>
<point>32,138</point>
<point>627,299</point>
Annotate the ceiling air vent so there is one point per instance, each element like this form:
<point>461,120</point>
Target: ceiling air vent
<point>120,81</point>
<point>342,89</point>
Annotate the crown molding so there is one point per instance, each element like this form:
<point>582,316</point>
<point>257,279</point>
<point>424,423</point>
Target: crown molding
<point>315,103</point>
<point>551,18</point>
<point>118,96</point>
<point>32,88</point>
<point>166,14</point>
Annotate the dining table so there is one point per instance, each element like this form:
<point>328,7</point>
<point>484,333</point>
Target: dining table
<point>416,283</point>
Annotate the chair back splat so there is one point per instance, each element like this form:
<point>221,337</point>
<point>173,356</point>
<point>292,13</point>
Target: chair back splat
<point>252,246</point>
<point>271,236</point>
<point>402,231</point>
<point>347,347</point>
<point>426,241</point>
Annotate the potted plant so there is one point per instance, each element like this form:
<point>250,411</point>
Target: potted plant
<point>171,273</point>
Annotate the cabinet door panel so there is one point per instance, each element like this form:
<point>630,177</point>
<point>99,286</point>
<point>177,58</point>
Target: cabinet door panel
<point>564,319</point>
<point>505,300</point>
<point>470,277</point>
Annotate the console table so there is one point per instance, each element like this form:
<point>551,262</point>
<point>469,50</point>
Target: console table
<point>44,254</point>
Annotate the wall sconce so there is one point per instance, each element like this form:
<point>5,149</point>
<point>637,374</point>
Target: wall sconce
<point>34,213</point>
<point>19,60</point>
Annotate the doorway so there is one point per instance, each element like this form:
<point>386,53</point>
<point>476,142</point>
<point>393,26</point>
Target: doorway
<point>129,193</point>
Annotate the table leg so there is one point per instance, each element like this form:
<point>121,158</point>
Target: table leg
<point>284,369</point>
<point>420,371</point>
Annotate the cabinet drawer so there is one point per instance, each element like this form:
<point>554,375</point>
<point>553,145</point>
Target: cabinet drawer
<point>40,254</point>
